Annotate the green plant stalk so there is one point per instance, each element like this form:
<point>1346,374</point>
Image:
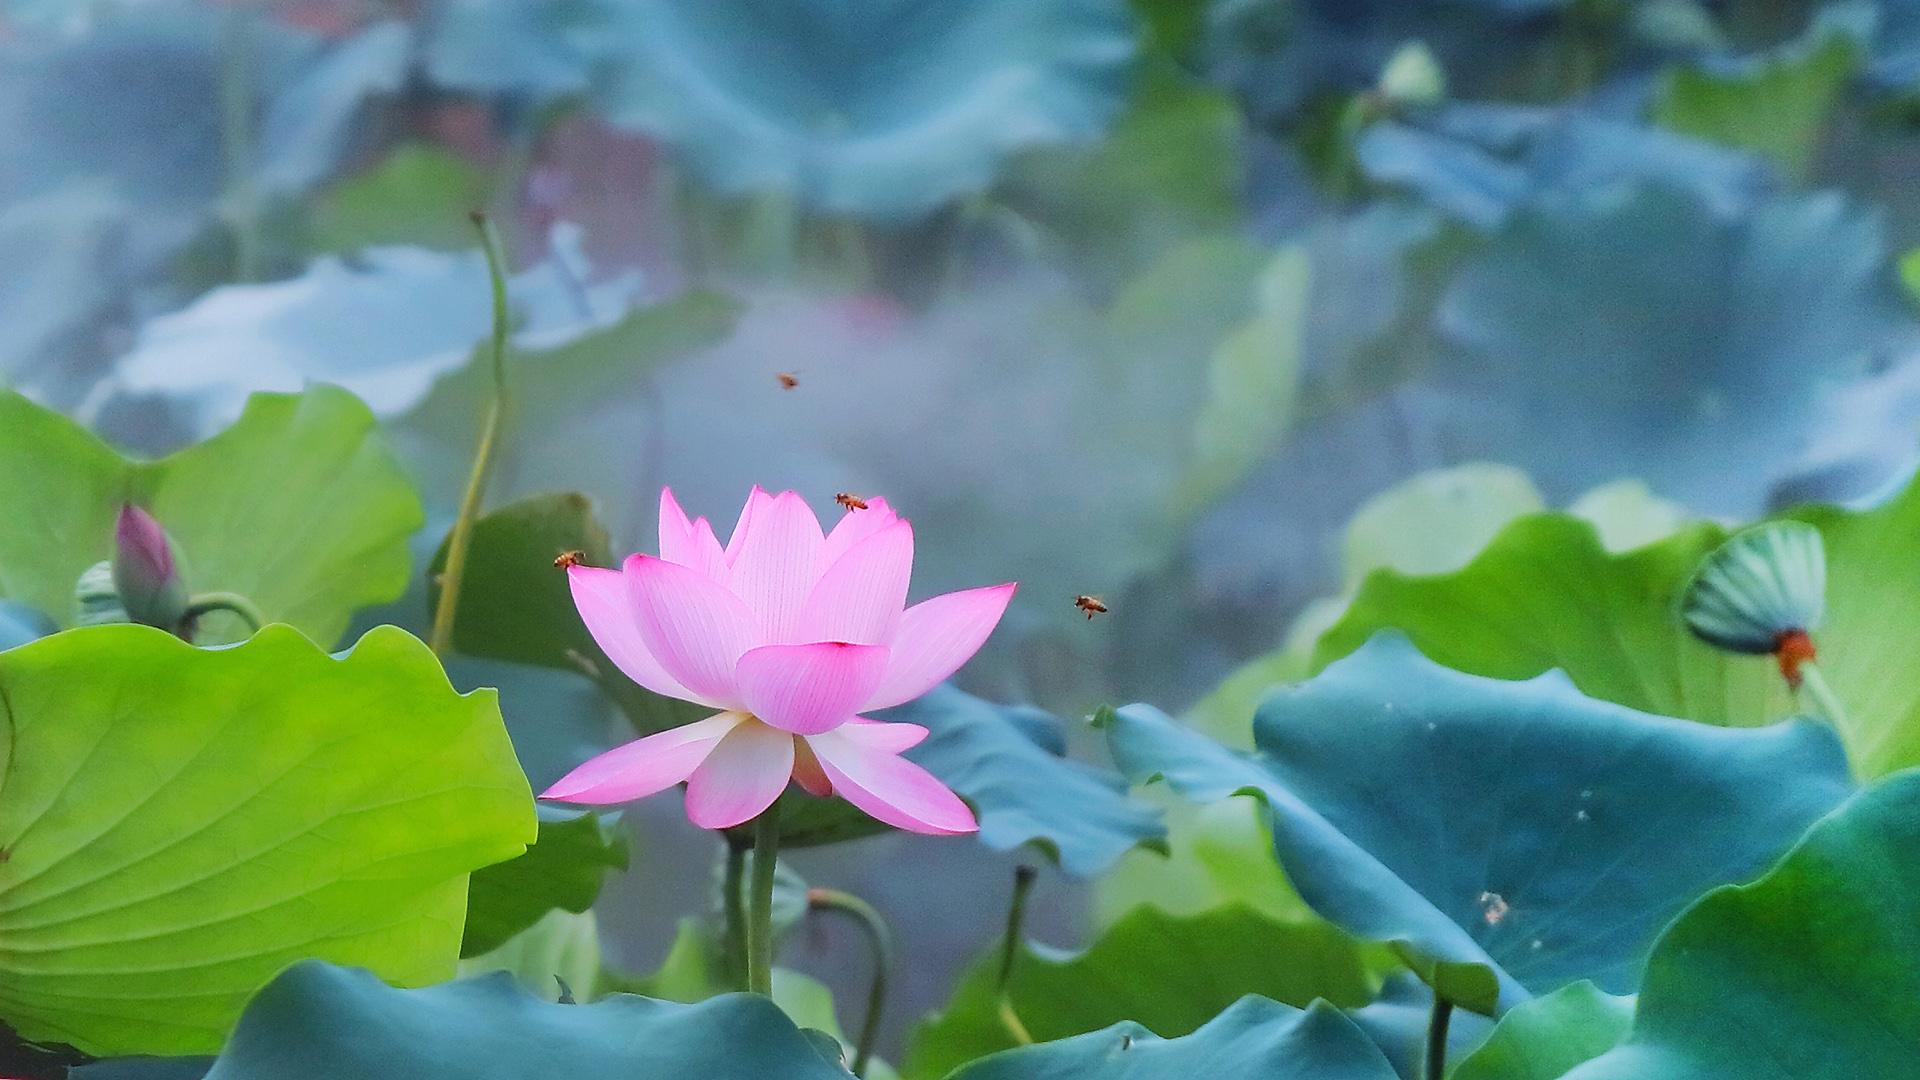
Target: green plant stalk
<point>1023,879</point>
<point>766,854</point>
<point>733,903</point>
<point>203,603</point>
<point>880,942</point>
<point>1813,687</point>
<point>1437,1037</point>
<point>236,140</point>
<point>441,637</point>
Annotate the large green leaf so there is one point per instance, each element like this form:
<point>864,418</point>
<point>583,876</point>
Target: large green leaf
<point>1543,1038</point>
<point>350,1024</point>
<point>1009,764</point>
<point>1807,973</point>
<point>1255,1039</point>
<point>887,109</point>
<point>1506,838</point>
<point>182,823</point>
<point>1167,973</point>
<point>299,506</point>
<point>1546,594</point>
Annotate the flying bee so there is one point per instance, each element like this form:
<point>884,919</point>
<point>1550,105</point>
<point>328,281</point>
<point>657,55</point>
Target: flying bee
<point>786,379</point>
<point>569,558</point>
<point>851,501</point>
<point>1092,605</point>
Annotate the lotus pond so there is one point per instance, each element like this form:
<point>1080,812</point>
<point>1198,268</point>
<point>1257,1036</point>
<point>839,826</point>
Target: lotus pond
<point>959,539</point>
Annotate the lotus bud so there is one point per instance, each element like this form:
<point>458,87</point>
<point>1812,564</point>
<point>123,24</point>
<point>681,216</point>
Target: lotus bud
<point>1762,592</point>
<point>145,573</point>
<point>1412,79</point>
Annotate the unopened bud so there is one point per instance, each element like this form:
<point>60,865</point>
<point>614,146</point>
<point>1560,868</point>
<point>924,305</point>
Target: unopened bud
<point>146,574</point>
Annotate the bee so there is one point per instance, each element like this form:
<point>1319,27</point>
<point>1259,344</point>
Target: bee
<point>1092,605</point>
<point>850,501</point>
<point>786,379</point>
<point>569,558</point>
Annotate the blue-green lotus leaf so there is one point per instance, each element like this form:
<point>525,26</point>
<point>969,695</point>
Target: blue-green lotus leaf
<point>1806,973</point>
<point>20,624</point>
<point>490,1028</point>
<point>1639,331</point>
<point>385,324</point>
<point>888,108</point>
<point>1010,764</point>
<point>1543,1038</point>
<point>1253,1039</point>
<point>1506,838</point>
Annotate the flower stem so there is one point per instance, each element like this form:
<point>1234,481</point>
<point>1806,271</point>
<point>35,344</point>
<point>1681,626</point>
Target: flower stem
<point>224,601</point>
<point>1023,879</point>
<point>766,852</point>
<point>1437,1037</point>
<point>734,903</point>
<point>880,941</point>
<point>451,576</point>
<point>1813,685</point>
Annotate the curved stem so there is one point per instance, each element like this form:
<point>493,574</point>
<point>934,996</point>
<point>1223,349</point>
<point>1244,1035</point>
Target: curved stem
<point>733,902</point>
<point>766,852</point>
<point>441,637</point>
<point>1437,1037</point>
<point>1023,879</point>
<point>224,601</point>
<point>880,941</point>
<point>1814,686</point>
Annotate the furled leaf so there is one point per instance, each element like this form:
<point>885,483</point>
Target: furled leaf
<point>1167,973</point>
<point>299,506</point>
<point>1504,838</point>
<point>182,823</point>
<point>489,1026</point>
<point>1543,1038</point>
<point>1253,1040</point>
<point>1806,972</point>
<point>1009,764</point>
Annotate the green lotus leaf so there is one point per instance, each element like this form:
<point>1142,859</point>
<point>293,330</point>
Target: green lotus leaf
<point>419,194</point>
<point>515,604</point>
<point>1170,974</point>
<point>557,956</point>
<point>1505,838</point>
<point>562,871</point>
<point>299,506</point>
<point>1806,972</point>
<point>182,823</point>
<point>1253,1040</point>
<point>1546,594</point>
<point>887,109</point>
<point>490,1027</point>
<point>1543,1038</point>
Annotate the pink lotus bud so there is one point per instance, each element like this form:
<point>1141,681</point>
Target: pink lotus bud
<point>145,572</point>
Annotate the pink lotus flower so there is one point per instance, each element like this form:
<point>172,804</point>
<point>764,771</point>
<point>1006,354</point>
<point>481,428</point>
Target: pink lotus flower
<point>791,634</point>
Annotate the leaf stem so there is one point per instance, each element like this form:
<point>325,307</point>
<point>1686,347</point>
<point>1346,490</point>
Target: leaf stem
<point>1813,685</point>
<point>1023,879</point>
<point>236,141</point>
<point>766,853</point>
<point>880,941</point>
<point>733,903</point>
<point>1437,1037</point>
<point>441,637</point>
<point>224,601</point>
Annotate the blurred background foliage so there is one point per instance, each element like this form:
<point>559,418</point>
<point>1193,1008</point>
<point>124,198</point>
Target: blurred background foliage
<point>1207,307</point>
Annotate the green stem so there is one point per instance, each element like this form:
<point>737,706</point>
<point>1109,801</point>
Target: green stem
<point>1437,1037</point>
<point>236,140</point>
<point>734,903</point>
<point>1023,879</point>
<point>880,941</point>
<point>441,637</point>
<point>224,601</point>
<point>766,852</point>
<point>1813,685</point>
